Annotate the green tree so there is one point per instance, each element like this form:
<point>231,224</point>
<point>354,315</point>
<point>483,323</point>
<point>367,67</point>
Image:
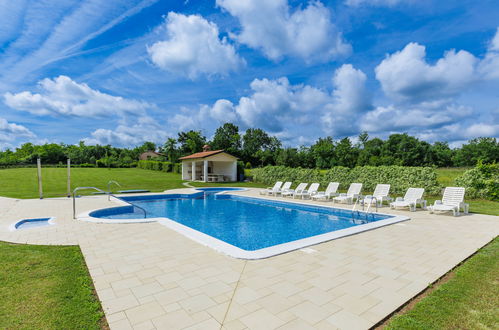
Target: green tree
<point>191,142</point>
<point>170,149</point>
<point>323,152</point>
<point>254,139</point>
<point>481,149</point>
<point>227,138</point>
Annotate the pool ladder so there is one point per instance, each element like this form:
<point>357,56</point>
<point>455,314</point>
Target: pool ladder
<point>368,211</point>
<point>104,192</point>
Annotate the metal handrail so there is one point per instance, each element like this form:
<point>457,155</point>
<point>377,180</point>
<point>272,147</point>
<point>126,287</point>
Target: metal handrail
<point>102,191</point>
<point>74,197</point>
<point>370,203</point>
<point>109,188</point>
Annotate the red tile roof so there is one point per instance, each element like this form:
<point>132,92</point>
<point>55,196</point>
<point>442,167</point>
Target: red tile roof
<point>202,154</point>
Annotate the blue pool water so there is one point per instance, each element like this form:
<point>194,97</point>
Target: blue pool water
<point>247,223</point>
<point>32,223</point>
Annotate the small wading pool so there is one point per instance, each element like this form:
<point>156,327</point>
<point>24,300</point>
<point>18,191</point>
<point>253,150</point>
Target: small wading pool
<point>32,223</point>
<point>247,227</point>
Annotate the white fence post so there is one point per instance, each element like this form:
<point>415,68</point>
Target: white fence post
<point>39,166</point>
<point>69,177</point>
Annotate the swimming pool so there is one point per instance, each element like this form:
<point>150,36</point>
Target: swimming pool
<point>32,223</point>
<point>247,227</point>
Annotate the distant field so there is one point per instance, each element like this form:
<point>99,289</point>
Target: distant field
<point>447,175</point>
<point>22,182</point>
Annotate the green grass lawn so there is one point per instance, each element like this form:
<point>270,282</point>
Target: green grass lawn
<point>46,287</point>
<point>447,175</point>
<point>22,182</point>
<point>469,300</point>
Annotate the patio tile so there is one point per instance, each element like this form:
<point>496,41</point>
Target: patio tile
<point>261,319</point>
<point>356,280</point>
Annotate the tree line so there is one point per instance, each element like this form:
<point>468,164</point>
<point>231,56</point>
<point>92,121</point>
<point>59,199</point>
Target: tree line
<point>256,148</point>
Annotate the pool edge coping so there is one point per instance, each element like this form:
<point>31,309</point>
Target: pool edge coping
<point>236,252</point>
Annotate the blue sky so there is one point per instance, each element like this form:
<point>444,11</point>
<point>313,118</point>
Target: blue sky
<point>125,71</point>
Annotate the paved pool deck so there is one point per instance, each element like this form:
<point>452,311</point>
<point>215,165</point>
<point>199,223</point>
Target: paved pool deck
<point>148,276</point>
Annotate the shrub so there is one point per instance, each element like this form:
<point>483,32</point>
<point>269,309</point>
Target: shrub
<point>399,177</point>
<point>177,168</point>
<point>481,181</point>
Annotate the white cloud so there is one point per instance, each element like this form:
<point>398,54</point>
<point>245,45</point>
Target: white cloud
<point>63,96</point>
<point>489,66</point>
<point>193,47</point>
<point>11,132</point>
<point>53,30</point>
<point>406,76</point>
<point>350,98</point>
<point>271,27</point>
<point>284,109</point>
<point>425,115</point>
<point>128,135</point>
<point>389,3</point>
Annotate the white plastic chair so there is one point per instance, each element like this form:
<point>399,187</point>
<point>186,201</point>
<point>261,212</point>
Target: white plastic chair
<point>452,200</point>
<point>331,191</point>
<point>290,192</point>
<point>307,193</point>
<point>379,195</point>
<point>412,197</point>
<point>285,187</point>
<point>352,193</point>
<point>270,190</point>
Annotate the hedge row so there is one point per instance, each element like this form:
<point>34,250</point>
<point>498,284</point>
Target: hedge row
<point>159,166</point>
<point>481,182</point>
<point>400,177</point>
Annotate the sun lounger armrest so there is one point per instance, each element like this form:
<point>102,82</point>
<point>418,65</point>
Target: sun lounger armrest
<point>342,195</point>
<point>399,199</point>
<point>437,202</point>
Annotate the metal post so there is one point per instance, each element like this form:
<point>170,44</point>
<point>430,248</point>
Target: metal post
<point>69,177</point>
<point>39,166</point>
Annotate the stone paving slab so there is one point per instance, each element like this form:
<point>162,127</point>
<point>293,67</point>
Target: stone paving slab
<point>150,277</point>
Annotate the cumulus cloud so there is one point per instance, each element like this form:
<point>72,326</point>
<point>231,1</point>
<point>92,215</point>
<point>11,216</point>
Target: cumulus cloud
<point>489,66</point>
<point>282,108</point>
<point>128,135</point>
<point>350,98</point>
<point>63,96</point>
<point>277,31</point>
<point>406,75</point>
<point>425,115</point>
<point>193,47</point>
<point>10,132</point>
<point>389,3</point>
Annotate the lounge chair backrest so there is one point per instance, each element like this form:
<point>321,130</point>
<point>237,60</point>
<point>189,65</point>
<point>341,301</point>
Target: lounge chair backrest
<point>453,196</point>
<point>381,190</point>
<point>277,185</point>
<point>413,194</point>
<point>286,185</point>
<point>354,189</point>
<point>332,187</point>
<point>313,187</point>
<point>301,186</point>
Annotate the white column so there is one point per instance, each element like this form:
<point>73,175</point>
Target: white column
<point>205,171</point>
<point>234,171</point>
<point>193,177</point>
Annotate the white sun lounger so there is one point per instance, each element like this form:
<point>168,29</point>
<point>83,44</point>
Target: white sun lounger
<point>352,193</point>
<point>379,195</point>
<point>331,191</point>
<point>413,196</point>
<point>285,187</point>
<point>290,192</point>
<point>452,200</point>
<point>271,190</point>
<point>307,193</point>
